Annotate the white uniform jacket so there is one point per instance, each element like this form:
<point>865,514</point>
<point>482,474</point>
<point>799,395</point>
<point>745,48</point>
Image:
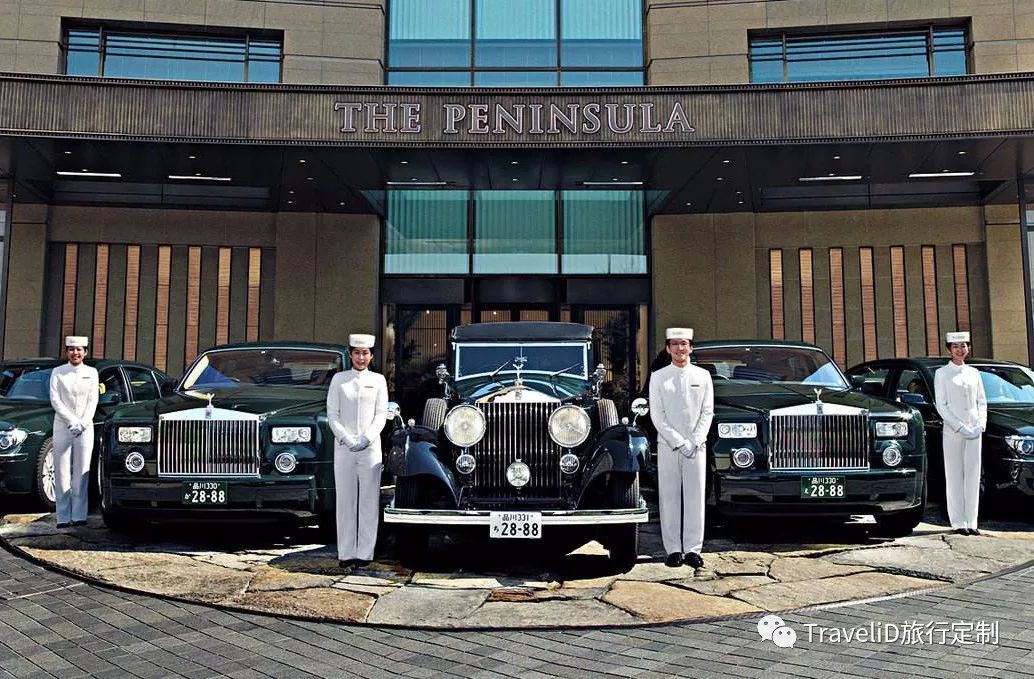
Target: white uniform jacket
<point>681,406</point>
<point>357,404</point>
<point>960,397</point>
<point>74,392</point>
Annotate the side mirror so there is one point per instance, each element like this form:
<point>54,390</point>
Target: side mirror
<point>640,407</point>
<point>168,387</point>
<point>109,398</point>
<point>394,413</point>
<point>857,381</point>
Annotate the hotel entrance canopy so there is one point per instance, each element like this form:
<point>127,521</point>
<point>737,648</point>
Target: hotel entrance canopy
<point>740,148</point>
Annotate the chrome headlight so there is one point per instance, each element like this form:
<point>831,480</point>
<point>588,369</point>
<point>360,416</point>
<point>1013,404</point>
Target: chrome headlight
<point>743,457</point>
<point>134,462</point>
<point>1021,444</point>
<point>892,455</point>
<point>738,430</point>
<point>291,434</point>
<point>569,463</point>
<point>892,430</point>
<point>134,434</point>
<point>465,425</point>
<point>465,463</point>
<point>518,474</point>
<point>569,426</point>
<point>12,438</point>
<point>285,463</point>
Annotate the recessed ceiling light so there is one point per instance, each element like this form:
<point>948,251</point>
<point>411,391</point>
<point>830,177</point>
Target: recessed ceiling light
<point>301,160</point>
<point>291,192</point>
<point>688,204</point>
<point>514,179</point>
<point>197,174</point>
<point>514,162</point>
<point>726,161</point>
<point>308,179</point>
<point>290,202</point>
<point>84,170</point>
<point>831,178</point>
<point>739,193</point>
<point>937,175</point>
<point>404,162</point>
<point>191,157</point>
<point>341,203</point>
<point>836,157</point>
<point>613,182</point>
<point>741,202</point>
<point>87,173</point>
<point>962,153</point>
<point>624,162</point>
<point>414,182</point>
<point>719,179</point>
<point>199,177</point>
<point>68,153</point>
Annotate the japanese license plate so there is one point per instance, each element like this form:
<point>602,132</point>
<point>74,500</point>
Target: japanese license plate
<point>205,492</point>
<point>525,525</point>
<point>823,487</point>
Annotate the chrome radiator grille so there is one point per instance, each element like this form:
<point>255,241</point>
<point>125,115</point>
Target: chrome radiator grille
<point>820,442</point>
<point>516,430</point>
<point>208,448</point>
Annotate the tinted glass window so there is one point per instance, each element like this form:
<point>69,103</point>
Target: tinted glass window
<point>515,34</point>
<point>604,232</point>
<point>875,379</point>
<point>486,359</point>
<point>426,232</point>
<point>25,383</point>
<point>429,34</point>
<point>230,369</point>
<point>601,79</point>
<point>515,232</point>
<point>111,381</point>
<point>770,364</point>
<point>601,33</point>
<point>142,382</point>
<point>911,386</point>
<point>1007,385</point>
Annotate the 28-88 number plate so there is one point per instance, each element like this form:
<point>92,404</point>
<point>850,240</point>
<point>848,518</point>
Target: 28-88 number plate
<point>823,487</point>
<point>205,492</point>
<point>524,525</point>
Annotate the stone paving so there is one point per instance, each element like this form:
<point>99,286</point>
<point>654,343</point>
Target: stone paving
<point>468,583</point>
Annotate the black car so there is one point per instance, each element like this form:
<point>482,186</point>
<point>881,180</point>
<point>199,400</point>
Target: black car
<point>790,438</point>
<point>1008,445</point>
<point>521,443</point>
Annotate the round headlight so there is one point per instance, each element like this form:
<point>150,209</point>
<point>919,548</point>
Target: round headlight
<point>569,463</point>
<point>518,474</point>
<point>569,426</point>
<point>743,457</point>
<point>465,463</point>
<point>1027,446</point>
<point>11,438</point>
<point>134,462</point>
<point>285,463</point>
<point>464,425</point>
<point>892,455</point>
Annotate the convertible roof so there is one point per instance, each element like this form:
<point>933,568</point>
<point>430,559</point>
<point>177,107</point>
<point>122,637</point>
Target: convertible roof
<point>521,331</point>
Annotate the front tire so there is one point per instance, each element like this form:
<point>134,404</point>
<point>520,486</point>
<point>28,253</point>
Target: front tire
<point>901,524</point>
<point>410,541</point>
<point>44,487</point>
<point>623,540</point>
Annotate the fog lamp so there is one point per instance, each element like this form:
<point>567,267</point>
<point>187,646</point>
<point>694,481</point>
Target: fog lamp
<point>465,463</point>
<point>743,457</point>
<point>134,462</point>
<point>892,455</point>
<point>518,474</point>
<point>285,463</point>
<point>569,463</point>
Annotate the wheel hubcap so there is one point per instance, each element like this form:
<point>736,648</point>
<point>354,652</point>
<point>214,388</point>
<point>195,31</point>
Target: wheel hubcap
<point>48,476</point>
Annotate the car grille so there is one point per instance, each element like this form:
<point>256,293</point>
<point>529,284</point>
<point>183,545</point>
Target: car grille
<point>820,442</point>
<point>208,448</point>
<point>516,431</point>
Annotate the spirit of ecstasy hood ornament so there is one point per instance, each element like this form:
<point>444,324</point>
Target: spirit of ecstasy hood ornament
<point>818,400</point>
<point>208,408</point>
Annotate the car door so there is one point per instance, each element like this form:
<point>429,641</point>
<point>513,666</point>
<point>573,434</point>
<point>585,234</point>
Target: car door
<point>876,378</point>
<point>142,383</point>
<point>914,387</point>
<point>111,382</point>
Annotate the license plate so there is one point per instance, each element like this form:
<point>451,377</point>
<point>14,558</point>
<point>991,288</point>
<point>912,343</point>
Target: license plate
<point>205,492</point>
<point>524,525</point>
<point>823,487</point>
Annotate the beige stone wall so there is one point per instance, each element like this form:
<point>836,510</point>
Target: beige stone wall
<point>712,272</point>
<point>706,42</point>
<point>27,241</point>
<point>324,42</point>
<point>1005,283</point>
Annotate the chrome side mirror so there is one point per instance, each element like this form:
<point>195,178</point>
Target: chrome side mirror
<point>442,373</point>
<point>640,407</point>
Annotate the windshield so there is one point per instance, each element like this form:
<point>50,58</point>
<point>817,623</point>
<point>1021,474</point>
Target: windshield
<point>1007,384</point>
<point>485,359</point>
<point>25,382</point>
<point>229,368</point>
<point>798,365</point>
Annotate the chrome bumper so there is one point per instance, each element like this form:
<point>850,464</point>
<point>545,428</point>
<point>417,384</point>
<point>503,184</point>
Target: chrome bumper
<point>550,517</point>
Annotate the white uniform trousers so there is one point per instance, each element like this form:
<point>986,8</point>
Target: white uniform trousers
<point>962,479</point>
<point>71,471</point>
<point>680,491</point>
<point>357,483</point>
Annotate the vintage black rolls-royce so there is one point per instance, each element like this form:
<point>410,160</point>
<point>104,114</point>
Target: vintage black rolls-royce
<point>1008,445</point>
<point>244,436</point>
<point>521,443</point>
<point>790,438</point>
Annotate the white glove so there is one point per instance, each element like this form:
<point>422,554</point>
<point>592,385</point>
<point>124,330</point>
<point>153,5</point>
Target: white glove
<point>76,429</point>
<point>361,444</point>
<point>688,450</point>
<point>346,441</point>
<point>971,432</point>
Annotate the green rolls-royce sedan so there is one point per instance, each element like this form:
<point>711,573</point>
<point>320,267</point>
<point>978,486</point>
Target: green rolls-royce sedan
<point>243,437</point>
<point>27,420</point>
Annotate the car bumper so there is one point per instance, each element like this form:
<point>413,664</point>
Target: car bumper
<point>246,498</point>
<point>461,517</point>
<point>1018,475</point>
<point>779,493</point>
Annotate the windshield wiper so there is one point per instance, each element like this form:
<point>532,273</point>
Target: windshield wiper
<point>496,371</point>
<point>554,375</point>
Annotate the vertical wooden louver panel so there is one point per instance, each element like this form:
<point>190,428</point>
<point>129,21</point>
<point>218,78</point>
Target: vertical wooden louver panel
<point>899,300</point>
<point>807,296</point>
<point>68,291</point>
<point>958,254</point>
<point>836,304</point>
<point>222,314</point>
<point>254,285</point>
<point>933,333</point>
<point>132,302</point>
<point>193,304</point>
<point>161,310</point>
<point>100,302</point>
<point>868,285</point>
<point>775,270</point>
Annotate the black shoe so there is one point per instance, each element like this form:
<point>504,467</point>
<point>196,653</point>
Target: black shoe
<point>974,531</point>
<point>695,560</point>
<point>63,525</point>
<point>347,564</point>
<point>962,531</point>
<point>78,523</point>
<point>674,560</point>
<point>360,563</point>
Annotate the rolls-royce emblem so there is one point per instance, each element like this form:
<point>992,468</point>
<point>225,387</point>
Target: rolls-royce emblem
<point>208,408</point>
<point>818,400</point>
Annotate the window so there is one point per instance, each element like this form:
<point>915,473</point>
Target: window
<point>124,53</point>
<point>111,381</point>
<point>499,43</point>
<point>142,382</point>
<point>918,53</point>
<point>875,383</point>
<point>515,232</point>
<point>604,232</point>
<point>912,388</point>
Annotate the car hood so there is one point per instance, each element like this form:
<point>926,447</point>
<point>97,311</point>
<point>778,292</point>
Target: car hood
<point>1006,420</point>
<point>762,398</point>
<point>254,400</point>
<point>14,412</point>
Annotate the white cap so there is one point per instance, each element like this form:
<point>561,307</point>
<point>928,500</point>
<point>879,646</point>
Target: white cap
<point>679,333</point>
<point>954,337</point>
<point>357,341</point>
<point>77,341</point>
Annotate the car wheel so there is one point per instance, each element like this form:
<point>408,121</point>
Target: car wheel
<point>901,524</point>
<point>117,521</point>
<point>410,541</point>
<point>45,486</point>
<point>608,413</point>
<point>327,526</point>
<point>623,540</point>
<point>434,413</point>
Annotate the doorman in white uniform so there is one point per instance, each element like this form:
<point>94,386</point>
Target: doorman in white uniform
<point>357,404</point>
<point>74,392</point>
<point>962,405</point>
<point>682,407</point>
